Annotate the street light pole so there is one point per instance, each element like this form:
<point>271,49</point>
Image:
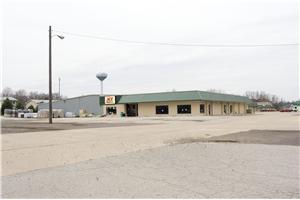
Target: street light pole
<point>50,71</point>
<point>50,75</point>
<point>59,87</point>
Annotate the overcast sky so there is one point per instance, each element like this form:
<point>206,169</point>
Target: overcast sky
<point>140,68</point>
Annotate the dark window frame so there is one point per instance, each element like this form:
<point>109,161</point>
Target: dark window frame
<point>159,108</point>
<point>202,110</point>
<point>181,108</point>
<point>225,109</point>
<point>111,110</point>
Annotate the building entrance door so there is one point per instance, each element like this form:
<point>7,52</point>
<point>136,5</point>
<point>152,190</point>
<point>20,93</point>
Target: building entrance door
<point>209,109</point>
<point>132,110</point>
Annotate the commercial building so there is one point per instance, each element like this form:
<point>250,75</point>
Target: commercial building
<point>184,103</point>
<point>175,103</point>
<point>89,103</point>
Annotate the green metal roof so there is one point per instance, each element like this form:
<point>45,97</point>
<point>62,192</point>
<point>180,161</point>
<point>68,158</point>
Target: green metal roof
<point>181,96</point>
<point>297,103</point>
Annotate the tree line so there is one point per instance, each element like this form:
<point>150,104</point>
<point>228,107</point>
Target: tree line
<point>263,96</point>
<point>22,96</point>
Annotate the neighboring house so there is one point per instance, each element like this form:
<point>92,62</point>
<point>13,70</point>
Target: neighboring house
<point>264,105</point>
<point>35,103</point>
<point>296,106</point>
<point>12,99</point>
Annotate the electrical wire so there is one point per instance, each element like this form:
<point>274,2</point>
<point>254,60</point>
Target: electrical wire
<point>175,44</point>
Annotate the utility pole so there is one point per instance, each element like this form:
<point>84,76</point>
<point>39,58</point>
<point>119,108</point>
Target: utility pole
<point>59,87</point>
<point>50,71</point>
<point>50,75</point>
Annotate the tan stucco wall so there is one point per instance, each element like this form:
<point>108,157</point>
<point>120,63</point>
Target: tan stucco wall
<point>148,109</point>
<point>236,108</point>
<point>242,108</point>
<point>217,109</point>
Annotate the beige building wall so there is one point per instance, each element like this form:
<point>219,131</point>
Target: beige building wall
<point>209,104</point>
<point>236,108</point>
<point>149,109</point>
<point>217,108</point>
<point>242,108</point>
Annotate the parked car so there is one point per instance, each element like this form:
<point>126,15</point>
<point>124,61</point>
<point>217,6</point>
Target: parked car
<point>285,110</point>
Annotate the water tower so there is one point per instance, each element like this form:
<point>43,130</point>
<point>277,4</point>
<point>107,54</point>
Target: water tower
<point>101,77</point>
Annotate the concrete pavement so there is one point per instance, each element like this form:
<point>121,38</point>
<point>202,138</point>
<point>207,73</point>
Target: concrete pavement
<point>192,170</point>
<point>37,150</point>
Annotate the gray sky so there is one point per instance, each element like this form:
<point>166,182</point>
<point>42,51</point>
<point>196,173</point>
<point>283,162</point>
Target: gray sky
<point>139,68</point>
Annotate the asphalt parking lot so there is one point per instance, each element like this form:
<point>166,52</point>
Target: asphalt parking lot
<point>190,157</point>
<point>35,125</point>
<point>272,137</point>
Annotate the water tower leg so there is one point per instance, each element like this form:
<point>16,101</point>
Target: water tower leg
<point>101,88</point>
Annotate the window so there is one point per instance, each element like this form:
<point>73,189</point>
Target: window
<point>184,109</point>
<point>111,110</point>
<point>162,110</point>
<point>225,109</point>
<point>202,108</point>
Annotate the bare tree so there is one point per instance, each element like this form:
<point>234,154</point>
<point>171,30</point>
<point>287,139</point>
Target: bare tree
<point>56,96</point>
<point>251,94</point>
<point>7,92</point>
<point>275,99</point>
<point>216,91</point>
<point>33,95</point>
<point>21,96</point>
<point>263,96</point>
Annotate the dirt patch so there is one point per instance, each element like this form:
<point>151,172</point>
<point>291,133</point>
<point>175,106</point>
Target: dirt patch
<point>271,137</point>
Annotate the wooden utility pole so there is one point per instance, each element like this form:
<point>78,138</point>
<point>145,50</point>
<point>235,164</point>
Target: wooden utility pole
<point>50,75</point>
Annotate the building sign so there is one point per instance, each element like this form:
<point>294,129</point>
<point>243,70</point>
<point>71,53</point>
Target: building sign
<point>110,100</point>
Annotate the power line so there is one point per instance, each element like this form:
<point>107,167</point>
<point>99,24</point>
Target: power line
<point>175,44</point>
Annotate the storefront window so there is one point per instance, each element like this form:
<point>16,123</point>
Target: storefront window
<point>111,110</point>
<point>162,109</point>
<point>184,109</point>
<point>202,108</point>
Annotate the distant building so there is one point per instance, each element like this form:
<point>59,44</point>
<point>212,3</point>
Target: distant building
<point>296,106</point>
<point>35,103</point>
<point>264,105</point>
<point>12,99</point>
<point>89,103</point>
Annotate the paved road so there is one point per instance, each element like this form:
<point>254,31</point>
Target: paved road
<point>191,170</point>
